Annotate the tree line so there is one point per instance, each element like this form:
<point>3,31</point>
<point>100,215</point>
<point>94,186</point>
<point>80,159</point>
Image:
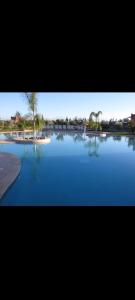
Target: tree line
<point>36,121</point>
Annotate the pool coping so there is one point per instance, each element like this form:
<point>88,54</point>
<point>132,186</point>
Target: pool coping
<point>10,166</point>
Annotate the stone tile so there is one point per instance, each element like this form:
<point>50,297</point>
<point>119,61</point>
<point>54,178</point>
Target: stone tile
<point>10,167</point>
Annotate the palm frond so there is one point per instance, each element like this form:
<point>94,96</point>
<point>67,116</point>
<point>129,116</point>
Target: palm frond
<point>31,101</point>
<point>99,112</point>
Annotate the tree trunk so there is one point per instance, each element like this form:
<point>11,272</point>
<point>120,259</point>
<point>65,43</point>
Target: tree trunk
<point>34,125</point>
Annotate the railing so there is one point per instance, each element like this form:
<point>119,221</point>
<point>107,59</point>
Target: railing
<point>63,127</point>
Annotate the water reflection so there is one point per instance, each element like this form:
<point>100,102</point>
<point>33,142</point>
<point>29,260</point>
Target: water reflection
<point>103,139</point>
<point>32,158</point>
<point>37,151</point>
<point>79,137</point>
<point>131,143</point>
<point>90,141</point>
<point>8,136</point>
<point>93,146</point>
<point>117,138</point>
<point>60,136</point>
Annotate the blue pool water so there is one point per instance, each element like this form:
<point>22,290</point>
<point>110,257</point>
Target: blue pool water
<point>74,170</point>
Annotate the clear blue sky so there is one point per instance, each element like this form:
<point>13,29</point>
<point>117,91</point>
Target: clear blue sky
<point>59,105</point>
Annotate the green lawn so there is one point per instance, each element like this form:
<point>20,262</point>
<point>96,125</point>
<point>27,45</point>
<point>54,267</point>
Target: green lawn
<point>121,133</point>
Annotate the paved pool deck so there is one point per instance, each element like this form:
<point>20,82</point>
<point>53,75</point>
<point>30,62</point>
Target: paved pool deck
<point>10,167</point>
<point>6,142</point>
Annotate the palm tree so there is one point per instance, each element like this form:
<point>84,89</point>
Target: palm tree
<point>97,118</point>
<point>39,122</point>
<point>32,105</point>
<point>96,115</point>
<point>91,115</point>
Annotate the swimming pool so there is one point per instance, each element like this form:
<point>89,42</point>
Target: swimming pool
<point>74,170</point>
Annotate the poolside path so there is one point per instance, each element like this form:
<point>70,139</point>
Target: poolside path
<point>6,142</point>
<point>10,167</point>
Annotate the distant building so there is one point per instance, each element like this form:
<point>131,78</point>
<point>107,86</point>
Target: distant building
<point>133,117</point>
<point>125,121</point>
<point>15,120</point>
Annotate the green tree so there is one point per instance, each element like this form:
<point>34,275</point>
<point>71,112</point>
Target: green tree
<point>39,122</point>
<point>119,126</point>
<point>32,102</point>
<point>22,125</point>
<point>91,124</point>
<point>96,123</point>
<point>132,126</point>
<point>91,115</point>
